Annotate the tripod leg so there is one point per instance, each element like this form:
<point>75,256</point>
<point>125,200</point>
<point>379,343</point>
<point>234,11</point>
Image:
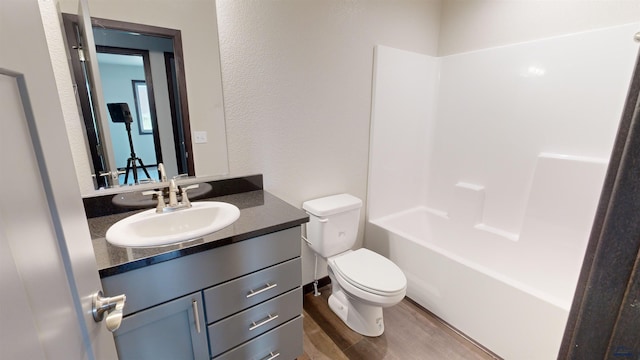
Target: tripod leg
<point>126,176</point>
<point>135,169</point>
<point>144,168</point>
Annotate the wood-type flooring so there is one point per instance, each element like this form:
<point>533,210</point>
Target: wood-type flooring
<point>410,333</point>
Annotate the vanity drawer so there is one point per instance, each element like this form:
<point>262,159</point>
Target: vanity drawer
<point>236,329</point>
<point>284,342</point>
<point>155,284</point>
<point>233,296</point>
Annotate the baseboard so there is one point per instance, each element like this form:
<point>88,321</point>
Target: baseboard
<point>308,288</point>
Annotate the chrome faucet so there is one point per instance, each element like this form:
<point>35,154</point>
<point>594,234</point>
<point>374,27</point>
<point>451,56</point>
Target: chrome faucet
<point>173,193</point>
<point>173,190</point>
<point>162,172</point>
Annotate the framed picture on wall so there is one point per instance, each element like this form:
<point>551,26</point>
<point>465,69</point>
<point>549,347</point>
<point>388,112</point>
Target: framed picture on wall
<point>141,97</point>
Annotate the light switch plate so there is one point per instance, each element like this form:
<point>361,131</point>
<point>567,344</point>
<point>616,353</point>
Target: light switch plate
<point>200,137</point>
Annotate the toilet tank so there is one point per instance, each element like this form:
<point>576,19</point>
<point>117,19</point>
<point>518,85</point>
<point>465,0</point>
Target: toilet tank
<point>333,223</point>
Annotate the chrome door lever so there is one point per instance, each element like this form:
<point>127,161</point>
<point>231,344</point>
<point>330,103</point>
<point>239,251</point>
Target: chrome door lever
<point>112,306</point>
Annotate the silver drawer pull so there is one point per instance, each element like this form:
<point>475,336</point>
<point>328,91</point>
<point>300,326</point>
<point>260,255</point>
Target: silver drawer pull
<point>269,318</point>
<point>271,356</point>
<point>266,287</point>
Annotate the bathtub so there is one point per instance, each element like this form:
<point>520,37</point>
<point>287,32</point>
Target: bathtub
<point>501,306</point>
<point>485,171</point>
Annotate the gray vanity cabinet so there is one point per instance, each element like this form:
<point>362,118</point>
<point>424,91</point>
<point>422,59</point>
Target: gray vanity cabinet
<point>172,331</point>
<point>238,301</point>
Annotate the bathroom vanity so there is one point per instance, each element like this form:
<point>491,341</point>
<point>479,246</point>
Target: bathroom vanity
<point>232,294</point>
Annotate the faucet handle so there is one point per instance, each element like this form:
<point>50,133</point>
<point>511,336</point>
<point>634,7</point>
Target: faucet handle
<point>162,173</point>
<point>173,191</point>
<point>193,186</point>
<point>112,176</point>
<point>185,199</point>
<point>160,206</point>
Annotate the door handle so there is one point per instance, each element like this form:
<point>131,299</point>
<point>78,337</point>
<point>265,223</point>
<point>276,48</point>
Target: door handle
<point>112,306</point>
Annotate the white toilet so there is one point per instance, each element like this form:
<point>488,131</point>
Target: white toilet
<point>363,282</point>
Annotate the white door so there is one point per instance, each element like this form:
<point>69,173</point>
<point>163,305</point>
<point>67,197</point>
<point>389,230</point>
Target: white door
<point>48,270</point>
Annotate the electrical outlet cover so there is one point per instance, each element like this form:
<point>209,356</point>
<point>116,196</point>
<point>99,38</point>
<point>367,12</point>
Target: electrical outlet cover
<point>200,137</point>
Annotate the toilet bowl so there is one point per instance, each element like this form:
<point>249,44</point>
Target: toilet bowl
<point>363,282</point>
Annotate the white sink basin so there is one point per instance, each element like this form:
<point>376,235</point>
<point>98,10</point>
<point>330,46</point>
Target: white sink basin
<point>149,228</point>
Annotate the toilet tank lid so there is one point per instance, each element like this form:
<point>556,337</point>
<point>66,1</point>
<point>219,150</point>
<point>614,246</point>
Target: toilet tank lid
<point>332,205</point>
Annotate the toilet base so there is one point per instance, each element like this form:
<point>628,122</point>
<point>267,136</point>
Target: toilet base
<point>362,318</point>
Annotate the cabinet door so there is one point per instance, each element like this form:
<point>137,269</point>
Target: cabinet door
<point>175,330</point>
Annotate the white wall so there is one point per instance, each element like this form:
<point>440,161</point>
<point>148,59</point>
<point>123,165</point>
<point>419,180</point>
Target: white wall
<point>472,25</point>
<point>499,108</point>
<point>297,85</point>
<point>402,129</point>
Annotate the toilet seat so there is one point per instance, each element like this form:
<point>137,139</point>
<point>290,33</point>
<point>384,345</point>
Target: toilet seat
<point>370,272</point>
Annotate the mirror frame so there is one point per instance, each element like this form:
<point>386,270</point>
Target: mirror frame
<point>72,20</point>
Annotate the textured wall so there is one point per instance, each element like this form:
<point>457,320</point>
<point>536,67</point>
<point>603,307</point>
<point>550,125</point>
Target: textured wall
<point>297,88</point>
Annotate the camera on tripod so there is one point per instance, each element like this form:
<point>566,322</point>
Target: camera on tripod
<point>120,113</point>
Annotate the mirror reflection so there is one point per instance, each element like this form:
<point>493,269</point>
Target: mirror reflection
<point>137,69</point>
<point>165,67</point>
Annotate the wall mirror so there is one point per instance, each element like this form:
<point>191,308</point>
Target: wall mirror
<point>166,67</point>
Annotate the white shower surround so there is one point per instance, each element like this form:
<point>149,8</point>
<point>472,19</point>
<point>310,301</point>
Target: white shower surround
<point>485,172</point>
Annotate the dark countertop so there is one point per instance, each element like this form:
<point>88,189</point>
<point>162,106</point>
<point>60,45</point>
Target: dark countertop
<point>260,213</point>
